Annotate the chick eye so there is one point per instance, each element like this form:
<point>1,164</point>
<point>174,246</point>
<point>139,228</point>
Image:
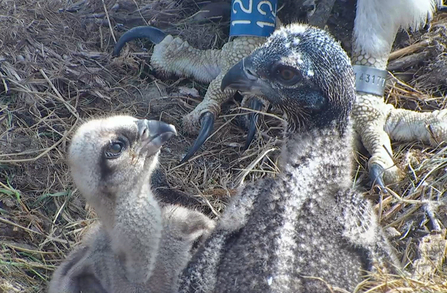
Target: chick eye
<point>114,149</point>
<point>286,73</point>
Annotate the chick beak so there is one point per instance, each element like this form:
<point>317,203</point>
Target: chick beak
<point>239,77</point>
<point>153,134</point>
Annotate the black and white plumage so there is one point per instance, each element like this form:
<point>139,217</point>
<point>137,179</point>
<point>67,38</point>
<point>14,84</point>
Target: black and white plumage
<point>139,245</point>
<point>307,229</point>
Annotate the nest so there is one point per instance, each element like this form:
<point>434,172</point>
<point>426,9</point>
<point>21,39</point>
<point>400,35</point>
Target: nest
<point>56,72</point>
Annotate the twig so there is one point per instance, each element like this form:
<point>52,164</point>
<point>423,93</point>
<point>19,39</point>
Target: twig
<point>108,20</point>
<point>409,50</point>
<point>44,152</point>
<point>407,61</point>
<point>59,96</point>
<point>18,226</point>
<point>251,166</point>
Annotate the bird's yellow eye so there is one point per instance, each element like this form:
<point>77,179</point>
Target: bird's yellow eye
<point>286,73</point>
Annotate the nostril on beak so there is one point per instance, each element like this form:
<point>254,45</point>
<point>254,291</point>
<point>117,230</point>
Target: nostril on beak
<point>246,66</point>
<point>250,74</point>
<point>143,130</point>
<point>145,133</point>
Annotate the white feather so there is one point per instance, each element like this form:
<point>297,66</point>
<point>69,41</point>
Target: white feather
<point>377,21</point>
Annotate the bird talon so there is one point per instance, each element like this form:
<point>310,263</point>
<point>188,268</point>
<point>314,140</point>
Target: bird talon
<point>147,32</point>
<point>207,126</point>
<point>255,104</point>
<point>376,172</point>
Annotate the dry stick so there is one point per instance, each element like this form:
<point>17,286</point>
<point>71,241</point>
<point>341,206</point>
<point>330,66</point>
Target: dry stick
<point>206,200</point>
<point>380,204</point>
<point>59,96</point>
<point>21,153</point>
<point>263,113</point>
<point>19,226</point>
<point>406,88</point>
<point>409,50</point>
<point>20,248</point>
<point>139,12</point>
<point>21,263</point>
<point>407,214</point>
<point>424,179</point>
<point>44,152</point>
<point>382,286</point>
<point>401,204</point>
<point>108,20</point>
<point>251,166</point>
<point>408,61</point>
<point>385,203</point>
<point>406,260</point>
<point>69,107</point>
<point>60,209</point>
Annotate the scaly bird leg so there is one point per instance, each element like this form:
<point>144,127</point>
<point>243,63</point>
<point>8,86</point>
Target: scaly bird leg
<point>369,114</point>
<point>374,120</point>
<point>175,56</point>
<point>428,127</point>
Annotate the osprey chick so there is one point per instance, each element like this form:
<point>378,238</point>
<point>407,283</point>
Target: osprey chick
<point>307,230</point>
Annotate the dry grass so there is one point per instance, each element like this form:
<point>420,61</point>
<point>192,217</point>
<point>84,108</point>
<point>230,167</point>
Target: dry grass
<point>56,71</point>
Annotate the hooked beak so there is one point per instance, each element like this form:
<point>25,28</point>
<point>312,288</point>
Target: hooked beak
<point>239,78</point>
<point>243,78</point>
<point>153,134</point>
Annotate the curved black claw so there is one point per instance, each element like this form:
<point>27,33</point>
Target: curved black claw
<point>207,126</point>
<point>148,32</point>
<point>255,104</point>
<point>376,174</point>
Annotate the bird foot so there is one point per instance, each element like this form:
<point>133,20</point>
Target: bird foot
<point>176,56</point>
<point>192,122</point>
<point>382,173</point>
<point>166,51</point>
<point>437,127</point>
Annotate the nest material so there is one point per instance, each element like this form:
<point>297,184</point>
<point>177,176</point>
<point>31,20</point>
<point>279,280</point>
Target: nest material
<point>56,72</point>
